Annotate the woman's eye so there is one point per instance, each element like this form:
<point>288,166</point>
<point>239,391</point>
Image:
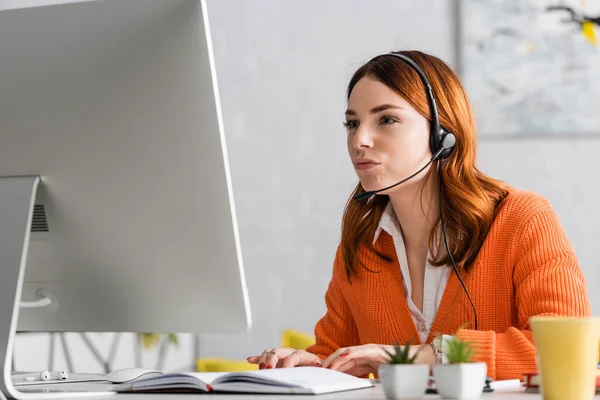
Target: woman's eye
<point>388,120</point>
<point>350,124</point>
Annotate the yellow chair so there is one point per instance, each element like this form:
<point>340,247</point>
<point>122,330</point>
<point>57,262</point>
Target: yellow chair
<point>223,365</point>
<point>589,32</point>
<point>289,338</point>
<point>296,339</point>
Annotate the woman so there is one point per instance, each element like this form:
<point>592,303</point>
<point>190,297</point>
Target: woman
<point>448,251</point>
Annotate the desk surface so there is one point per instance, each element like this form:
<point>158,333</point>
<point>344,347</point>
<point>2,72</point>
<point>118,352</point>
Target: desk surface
<point>375,393</point>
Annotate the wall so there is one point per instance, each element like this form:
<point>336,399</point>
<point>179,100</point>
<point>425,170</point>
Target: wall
<point>283,67</point>
<point>283,71</point>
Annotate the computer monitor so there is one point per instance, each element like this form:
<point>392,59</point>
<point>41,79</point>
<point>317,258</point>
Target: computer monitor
<point>113,105</point>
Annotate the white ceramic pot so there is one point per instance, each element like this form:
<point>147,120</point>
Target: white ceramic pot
<point>460,381</point>
<point>404,381</point>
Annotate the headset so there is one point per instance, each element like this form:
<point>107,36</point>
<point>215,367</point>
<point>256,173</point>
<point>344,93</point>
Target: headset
<point>441,143</point>
<point>440,140</point>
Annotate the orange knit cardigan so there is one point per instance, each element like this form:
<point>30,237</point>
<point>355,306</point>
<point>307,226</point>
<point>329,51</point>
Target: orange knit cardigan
<point>525,267</point>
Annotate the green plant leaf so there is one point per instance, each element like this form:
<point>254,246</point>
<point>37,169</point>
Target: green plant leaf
<point>400,354</point>
<point>172,338</point>
<point>149,339</point>
<point>458,351</point>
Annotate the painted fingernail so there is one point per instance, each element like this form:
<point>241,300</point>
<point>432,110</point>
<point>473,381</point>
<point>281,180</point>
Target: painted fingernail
<point>344,355</point>
<point>261,366</point>
<point>269,366</point>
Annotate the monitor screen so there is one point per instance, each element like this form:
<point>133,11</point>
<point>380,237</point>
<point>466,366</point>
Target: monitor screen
<point>114,105</point>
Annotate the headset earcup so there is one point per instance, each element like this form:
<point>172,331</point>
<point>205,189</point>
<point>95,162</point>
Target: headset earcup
<point>447,141</point>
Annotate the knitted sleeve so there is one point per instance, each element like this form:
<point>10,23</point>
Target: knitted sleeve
<point>548,281</point>
<point>337,328</point>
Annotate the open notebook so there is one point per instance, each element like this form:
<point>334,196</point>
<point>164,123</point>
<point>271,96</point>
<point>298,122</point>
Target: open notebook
<point>301,380</point>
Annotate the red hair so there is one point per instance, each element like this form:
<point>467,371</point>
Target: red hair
<point>471,198</point>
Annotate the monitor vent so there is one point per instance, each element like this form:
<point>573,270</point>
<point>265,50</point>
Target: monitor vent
<point>39,223</point>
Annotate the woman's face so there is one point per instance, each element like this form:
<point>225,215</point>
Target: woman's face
<point>388,140</point>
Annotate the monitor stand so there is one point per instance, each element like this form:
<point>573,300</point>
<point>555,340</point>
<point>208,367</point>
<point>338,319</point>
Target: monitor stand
<point>17,199</point>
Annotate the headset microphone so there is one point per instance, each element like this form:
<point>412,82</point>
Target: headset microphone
<point>366,195</point>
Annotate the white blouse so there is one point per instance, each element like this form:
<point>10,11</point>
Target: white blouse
<point>435,281</point>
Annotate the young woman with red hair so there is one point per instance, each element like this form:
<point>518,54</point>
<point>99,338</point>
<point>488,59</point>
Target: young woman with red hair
<point>449,251</point>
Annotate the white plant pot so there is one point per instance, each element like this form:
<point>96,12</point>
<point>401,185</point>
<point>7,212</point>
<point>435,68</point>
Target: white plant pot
<point>460,381</point>
<point>404,381</point>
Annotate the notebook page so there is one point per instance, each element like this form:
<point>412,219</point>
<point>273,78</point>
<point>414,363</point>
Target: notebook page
<point>315,378</point>
<point>206,377</point>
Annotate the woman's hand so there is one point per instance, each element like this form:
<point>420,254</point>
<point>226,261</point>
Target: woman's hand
<point>284,358</point>
<point>366,359</point>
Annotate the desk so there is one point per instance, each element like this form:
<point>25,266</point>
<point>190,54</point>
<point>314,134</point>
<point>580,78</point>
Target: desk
<point>375,393</point>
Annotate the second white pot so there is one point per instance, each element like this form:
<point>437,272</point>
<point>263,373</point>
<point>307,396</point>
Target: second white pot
<point>404,381</point>
<point>460,381</point>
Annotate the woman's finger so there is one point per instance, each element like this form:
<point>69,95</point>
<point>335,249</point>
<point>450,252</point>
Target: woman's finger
<point>292,360</point>
<point>310,358</point>
<point>349,364</point>
<point>272,359</point>
<point>357,366</point>
<point>344,358</point>
<point>361,354</point>
<point>342,352</point>
<point>262,360</point>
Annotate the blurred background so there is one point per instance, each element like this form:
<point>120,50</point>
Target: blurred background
<point>283,67</point>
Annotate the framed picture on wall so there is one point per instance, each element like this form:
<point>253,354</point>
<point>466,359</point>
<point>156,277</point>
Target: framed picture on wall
<point>532,67</point>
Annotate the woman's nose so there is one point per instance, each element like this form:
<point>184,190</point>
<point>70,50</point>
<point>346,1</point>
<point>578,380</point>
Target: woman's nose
<point>362,138</point>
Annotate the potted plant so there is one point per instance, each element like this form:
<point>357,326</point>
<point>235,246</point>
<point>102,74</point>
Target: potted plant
<point>401,378</point>
<point>460,378</point>
<point>149,340</point>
